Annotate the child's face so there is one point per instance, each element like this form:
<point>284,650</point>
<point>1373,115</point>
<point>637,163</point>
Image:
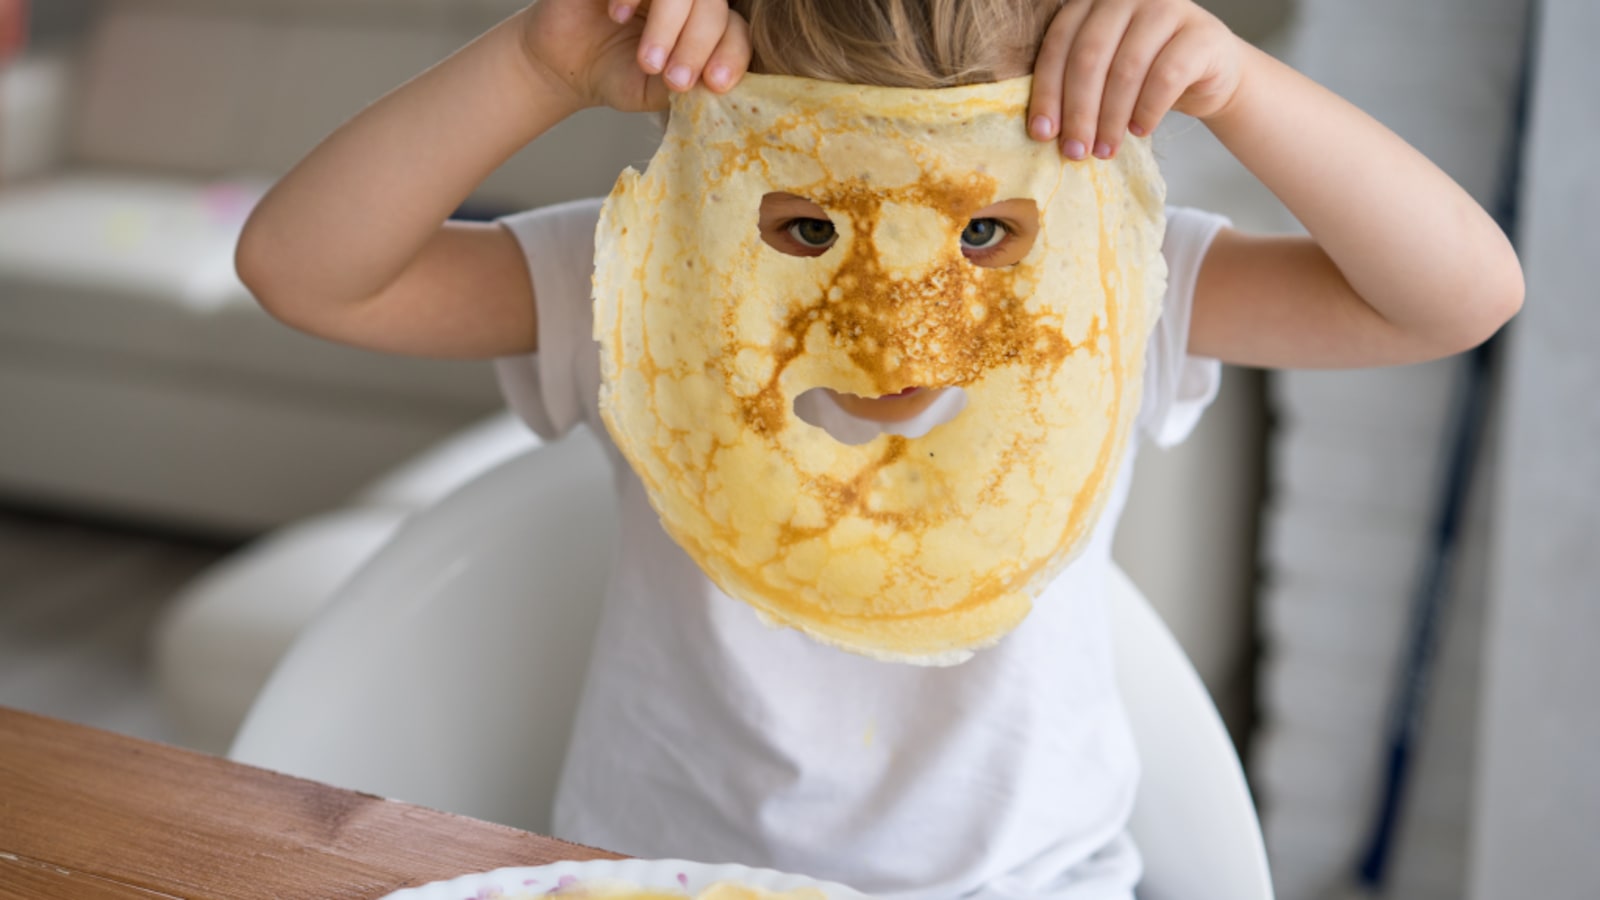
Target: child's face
<point>779,224</point>
<point>997,236</point>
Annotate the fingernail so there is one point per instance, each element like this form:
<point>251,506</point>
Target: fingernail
<point>1074,149</point>
<point>678,76</point>
<point>1136,130</point>
<point>1042,128</point>
<point>622,14</point>
<point>1102,150</point>
<point>718,75</point>
<point>655,58</point>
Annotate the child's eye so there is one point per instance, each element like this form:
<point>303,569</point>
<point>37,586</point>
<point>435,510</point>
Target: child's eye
<point>1001,234</point>
<point>814,233</point>
<point>983,234</point>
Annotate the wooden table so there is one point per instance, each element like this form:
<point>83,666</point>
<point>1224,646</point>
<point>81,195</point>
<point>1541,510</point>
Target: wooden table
<point>86,814</point>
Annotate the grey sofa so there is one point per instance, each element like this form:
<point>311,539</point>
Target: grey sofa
<point>138,378</point>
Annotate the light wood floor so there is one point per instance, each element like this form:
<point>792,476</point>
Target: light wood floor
<point>77,602</point>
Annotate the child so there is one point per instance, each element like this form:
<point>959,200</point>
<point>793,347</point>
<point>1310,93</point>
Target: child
<point>703,734</point>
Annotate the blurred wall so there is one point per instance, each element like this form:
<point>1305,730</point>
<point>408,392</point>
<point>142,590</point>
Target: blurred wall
<point>1252,18</point>
<point>1356,464</point>
<point>57,19</point>
<point>1255,20</point>
<point>1537,810</point>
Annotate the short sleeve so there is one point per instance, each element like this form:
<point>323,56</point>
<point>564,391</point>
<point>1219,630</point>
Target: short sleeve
<point>1178,387</point>
<point>545,389</point>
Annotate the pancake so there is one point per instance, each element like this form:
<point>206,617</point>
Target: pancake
<point>917,550</point>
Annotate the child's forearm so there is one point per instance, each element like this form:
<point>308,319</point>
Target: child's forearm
<point>347,219</point>
<point>1408,240</point>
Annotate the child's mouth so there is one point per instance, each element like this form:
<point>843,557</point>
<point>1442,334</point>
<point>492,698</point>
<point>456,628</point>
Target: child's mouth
<point>899,406</point>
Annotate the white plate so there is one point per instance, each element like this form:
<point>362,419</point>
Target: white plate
<point>676,875</point>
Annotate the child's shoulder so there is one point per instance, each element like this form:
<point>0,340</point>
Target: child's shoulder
<point>557,241</point>
<point>1192,220</point>
<point>570,216</point>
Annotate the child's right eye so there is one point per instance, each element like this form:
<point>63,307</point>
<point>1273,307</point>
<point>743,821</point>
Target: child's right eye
<point>813,233</point>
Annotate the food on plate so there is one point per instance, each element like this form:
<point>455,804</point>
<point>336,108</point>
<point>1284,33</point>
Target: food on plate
<point>722,890</point>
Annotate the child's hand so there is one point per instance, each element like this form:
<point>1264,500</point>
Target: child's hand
<point>1109,67</point>
<point>627,54</point>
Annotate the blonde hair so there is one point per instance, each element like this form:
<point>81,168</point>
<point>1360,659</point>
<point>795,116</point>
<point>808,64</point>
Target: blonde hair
<point>897,43</point>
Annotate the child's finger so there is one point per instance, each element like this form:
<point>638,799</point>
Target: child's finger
<point>1049,69</point>
<point>1146,37</point>
<point>1088,62</point>
<point>663,23</point>
<point>1177,67</point>
<point>731,59</point>
<point>699,38</point>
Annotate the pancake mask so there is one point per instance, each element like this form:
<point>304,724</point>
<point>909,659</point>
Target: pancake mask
<point>908,549</point>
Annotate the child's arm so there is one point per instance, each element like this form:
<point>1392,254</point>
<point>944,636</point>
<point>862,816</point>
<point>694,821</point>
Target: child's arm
<point>1401,264</point>
<point>353,243</point>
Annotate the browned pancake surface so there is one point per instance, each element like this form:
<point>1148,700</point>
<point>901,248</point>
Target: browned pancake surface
<point>916,550</point>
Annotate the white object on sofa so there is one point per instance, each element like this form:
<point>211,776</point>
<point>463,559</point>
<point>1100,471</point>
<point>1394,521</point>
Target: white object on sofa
<point>447,670</point>
<point>137,376</point>
<point>33,110</point>
<point>220,637</point>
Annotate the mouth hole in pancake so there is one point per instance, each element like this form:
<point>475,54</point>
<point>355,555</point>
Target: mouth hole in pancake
<point>793,225</point>
<point>1001,234</point>
<point>853,420</point>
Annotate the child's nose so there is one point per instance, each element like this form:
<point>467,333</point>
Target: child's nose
<point>933,329</point>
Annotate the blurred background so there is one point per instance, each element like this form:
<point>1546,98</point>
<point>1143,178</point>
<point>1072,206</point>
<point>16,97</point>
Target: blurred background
<point>184,482</point>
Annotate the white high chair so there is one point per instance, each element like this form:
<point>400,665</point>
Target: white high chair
<point>447,671</point>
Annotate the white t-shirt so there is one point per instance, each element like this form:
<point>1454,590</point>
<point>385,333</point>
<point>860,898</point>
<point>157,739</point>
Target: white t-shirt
<point>704,734</point>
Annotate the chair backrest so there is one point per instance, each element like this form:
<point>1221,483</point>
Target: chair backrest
<point>447,672</point>
<point>1194,820</point>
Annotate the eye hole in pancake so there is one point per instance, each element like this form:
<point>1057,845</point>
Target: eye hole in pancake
<point>793,225</point>
<point>1001,234</point>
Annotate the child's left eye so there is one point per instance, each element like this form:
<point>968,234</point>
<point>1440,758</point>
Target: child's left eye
<point>814,234</point>
<point>983,234</point>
